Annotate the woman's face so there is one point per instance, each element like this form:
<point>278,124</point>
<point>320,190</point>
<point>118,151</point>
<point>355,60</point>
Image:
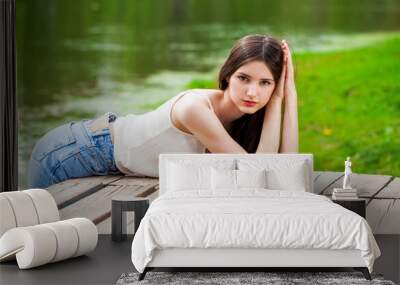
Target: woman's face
<point>250,86</point>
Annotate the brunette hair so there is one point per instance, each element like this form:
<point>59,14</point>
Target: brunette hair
<point>247,129</point>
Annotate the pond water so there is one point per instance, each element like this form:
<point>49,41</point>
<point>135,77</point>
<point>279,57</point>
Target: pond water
<point>78,59</point>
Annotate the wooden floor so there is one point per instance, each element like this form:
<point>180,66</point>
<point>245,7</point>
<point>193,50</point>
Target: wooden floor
<point>91,197</point>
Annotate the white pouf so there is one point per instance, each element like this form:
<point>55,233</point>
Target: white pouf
<point>40,244</point>
<point>23,208</point>
<point>87,233</point>
<point>7,218</point>
<point>26,208</point>
<point>30,230</point>
<point>45,205</point>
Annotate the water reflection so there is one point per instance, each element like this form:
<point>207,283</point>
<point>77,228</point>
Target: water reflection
<point>62,42</point>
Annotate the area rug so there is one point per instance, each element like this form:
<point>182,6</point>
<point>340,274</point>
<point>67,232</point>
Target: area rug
<point>230,278</point>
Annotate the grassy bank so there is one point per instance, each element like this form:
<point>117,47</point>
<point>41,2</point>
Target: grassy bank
<point>349,105</point>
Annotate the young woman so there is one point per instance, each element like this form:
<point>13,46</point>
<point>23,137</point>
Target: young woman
<point>242,116</point>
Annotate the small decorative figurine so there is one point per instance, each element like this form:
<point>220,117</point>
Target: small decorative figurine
<point>347,192</point>
<point>347,174</point>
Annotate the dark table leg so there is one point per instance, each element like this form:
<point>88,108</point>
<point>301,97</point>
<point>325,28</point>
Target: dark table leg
<point>119,207</point>
<point>118,222</point>
<point>140,211</point>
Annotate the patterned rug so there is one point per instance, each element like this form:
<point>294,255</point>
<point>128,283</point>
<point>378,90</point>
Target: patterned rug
<point>230,278</point>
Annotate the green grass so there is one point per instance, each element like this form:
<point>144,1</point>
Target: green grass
<point>349,105</point>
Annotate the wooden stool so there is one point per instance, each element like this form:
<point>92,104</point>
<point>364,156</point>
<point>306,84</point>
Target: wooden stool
<point>122,204</point>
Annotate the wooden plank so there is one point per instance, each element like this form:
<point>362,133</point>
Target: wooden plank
<point>148,191</point>
<point>366,184</point>
<point>315,175</point>
<point>324,180</point>
<point>131,180</point>
<point>104,227</point>
<point>384,216</point>
<point>153,196</point>
<point>392,190</point>
<point>391,223</point>
<point>97,207</point>
<point>72,190</point>
<point>375,212</point>
<point>98,204</point>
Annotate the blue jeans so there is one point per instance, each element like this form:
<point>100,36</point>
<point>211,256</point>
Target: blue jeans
<point>71,151</point>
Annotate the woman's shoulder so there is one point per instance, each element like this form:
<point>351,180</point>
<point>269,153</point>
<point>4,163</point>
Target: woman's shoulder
<point>211,92</point>
<point>192,105</point>
<point>198,97</point>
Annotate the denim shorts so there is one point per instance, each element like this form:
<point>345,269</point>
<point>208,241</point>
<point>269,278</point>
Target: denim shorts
<point>71,150</point>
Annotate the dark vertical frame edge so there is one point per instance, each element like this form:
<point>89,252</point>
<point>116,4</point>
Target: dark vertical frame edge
<point>8,100</point>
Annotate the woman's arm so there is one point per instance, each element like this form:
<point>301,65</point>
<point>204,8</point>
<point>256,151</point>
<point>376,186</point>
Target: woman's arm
<point>271,130</point>
<point>290,130</point>
<point>207,128</point>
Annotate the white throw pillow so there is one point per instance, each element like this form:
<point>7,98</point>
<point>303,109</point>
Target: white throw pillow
<point>193,174</point>
<point>281,174</point>
<point>294,180</point>
<point>181,177</point>
<point>223,179</point>
<point>227,179</point>
<point>251,178</point>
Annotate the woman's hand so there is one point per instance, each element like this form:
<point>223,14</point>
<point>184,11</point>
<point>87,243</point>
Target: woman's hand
<point>289,91</point>
<point>279,92</point>
<point>290,129</point>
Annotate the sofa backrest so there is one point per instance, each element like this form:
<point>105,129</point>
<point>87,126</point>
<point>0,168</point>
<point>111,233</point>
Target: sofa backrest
<point>232,161</point>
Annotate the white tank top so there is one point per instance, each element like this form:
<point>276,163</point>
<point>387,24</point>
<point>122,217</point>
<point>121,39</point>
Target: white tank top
<point>139,139</point>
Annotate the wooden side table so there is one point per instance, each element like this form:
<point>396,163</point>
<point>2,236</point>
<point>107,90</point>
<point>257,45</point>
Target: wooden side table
<point>122,204</point>
<point>356,205</point>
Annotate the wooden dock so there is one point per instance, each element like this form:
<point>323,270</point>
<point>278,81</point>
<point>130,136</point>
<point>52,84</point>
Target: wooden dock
<point>91,197</point>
